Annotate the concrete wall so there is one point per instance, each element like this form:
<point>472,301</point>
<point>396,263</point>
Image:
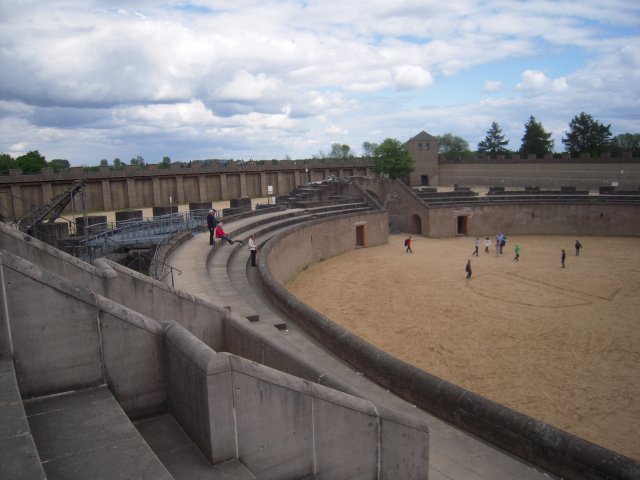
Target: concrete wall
<point>547,173</point>
<point>71,338</point>
<point>325,238</point>
<point>286,427</point>
<point>561,218</point>
<point>523,436</point>
<point>133,188</point>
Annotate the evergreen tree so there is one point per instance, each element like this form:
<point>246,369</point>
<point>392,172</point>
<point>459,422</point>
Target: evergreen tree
<point>587,135</point>
<point>536,141</point>
<point>494,143</point>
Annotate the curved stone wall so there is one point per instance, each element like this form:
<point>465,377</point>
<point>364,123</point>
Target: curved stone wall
<point>534,441</point>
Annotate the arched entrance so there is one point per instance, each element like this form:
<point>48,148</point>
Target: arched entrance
<point>415,224</point>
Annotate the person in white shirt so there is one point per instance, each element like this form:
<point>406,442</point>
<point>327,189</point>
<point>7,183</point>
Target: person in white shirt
<point>253,249</point>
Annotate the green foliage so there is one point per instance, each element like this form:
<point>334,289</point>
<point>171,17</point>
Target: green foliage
<point>340,151</point>
<point>165,163</point>
<point>138,162</point>
<point>392,157</point>
<point>587,135</point>
<point>31,162</point>
<point>369,149</point>
<point>451,146</point>
<point>104,162</point>
<point>626,142</point>
<point>494,143</point>
<point>536,140</point>
<point>60,165</point>
<point>6,162</point>
<point>118,164</point>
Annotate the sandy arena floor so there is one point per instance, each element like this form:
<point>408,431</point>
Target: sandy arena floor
<point>561,345</point>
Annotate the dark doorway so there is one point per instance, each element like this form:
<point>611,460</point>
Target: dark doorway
<point>415,225</point>
<point>360,236</point>
<point>462,225</point>
<point>424,180</point>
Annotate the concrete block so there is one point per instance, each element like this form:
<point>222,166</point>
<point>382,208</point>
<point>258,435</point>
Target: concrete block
<point>274,428</point>
<point>19,458</point>
<point>346,442</point>
<point>86,434</point>
<point>68,353</point>
<point>133,359</point>
<point>199,393</point>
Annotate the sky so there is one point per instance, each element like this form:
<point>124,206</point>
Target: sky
<point>96,79</point>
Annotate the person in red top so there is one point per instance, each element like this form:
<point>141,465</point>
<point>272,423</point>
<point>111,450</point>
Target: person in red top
<point>221,235</point>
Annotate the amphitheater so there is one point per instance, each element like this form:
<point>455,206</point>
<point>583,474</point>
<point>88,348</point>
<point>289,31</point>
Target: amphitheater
<point>108,373</point>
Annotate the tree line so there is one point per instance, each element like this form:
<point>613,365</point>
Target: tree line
<point>585,135</point>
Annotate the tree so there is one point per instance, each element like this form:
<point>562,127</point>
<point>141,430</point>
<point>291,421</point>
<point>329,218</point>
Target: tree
<point>536,141</point>
<point>60,165</point>
<point>137,162</point>
<point>166,162</point>
<point>118,164</point>
<point>104,162</point>
<point>494,143</point>
<point>31,162</point>
<point>392,157</point>
<point>626,142</point>
<point>340,151</point>
<point>6,162</point>
<point>587,135</point>
<point>451,146</point>
<point>369,149</point>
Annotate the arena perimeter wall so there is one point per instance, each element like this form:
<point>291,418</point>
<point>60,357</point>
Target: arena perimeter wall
<point>532,440</point>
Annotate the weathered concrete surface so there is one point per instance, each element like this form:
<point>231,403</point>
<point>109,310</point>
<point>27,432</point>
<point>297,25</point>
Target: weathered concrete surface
<point>19,459</point>
<point>86,434</point>
<point>180,455</point>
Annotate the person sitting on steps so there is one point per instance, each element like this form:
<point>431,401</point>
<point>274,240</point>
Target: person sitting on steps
<point>222,235</point>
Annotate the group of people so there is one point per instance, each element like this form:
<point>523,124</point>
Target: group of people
<point>501,241</point>
<point>216,230</point>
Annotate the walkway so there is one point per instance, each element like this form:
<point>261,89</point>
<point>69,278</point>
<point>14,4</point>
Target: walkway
<point>225,277</point>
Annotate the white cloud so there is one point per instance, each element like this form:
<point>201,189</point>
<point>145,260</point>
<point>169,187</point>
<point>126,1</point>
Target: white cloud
<point>408,77</point>
<point>492,86</point>
<point>535,81</point>
<point>91,80</point>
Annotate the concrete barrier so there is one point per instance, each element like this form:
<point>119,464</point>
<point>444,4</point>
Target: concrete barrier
<point>286,427</point>
<point>530,439</point>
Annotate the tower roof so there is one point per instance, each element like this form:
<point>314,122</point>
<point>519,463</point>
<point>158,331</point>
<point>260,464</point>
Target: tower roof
<point>423,137</point>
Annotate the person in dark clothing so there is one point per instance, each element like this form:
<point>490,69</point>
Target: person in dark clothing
<point>578,247</point>
<point>212,223</point>
<point>563,257</point>
<point>468,269</point>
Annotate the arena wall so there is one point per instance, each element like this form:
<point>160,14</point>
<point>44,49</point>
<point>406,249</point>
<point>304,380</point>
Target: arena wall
<point>529,218</point>
<point>133,188</point>
<point>532,440</point>
<point>547,173</point>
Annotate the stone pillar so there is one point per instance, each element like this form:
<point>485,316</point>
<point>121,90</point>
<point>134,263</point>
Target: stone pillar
<point>180,189</point>
<point>155,185</point>
<point>264,183</point>
<point>202,187</point>
<point>223,186</point>
<point>47,192</point>
<point>132,198</point>
<point>106,195</point>
<point>243,184</point>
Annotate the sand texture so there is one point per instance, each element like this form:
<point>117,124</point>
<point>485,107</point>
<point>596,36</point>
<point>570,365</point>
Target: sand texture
<point>560,345</point>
